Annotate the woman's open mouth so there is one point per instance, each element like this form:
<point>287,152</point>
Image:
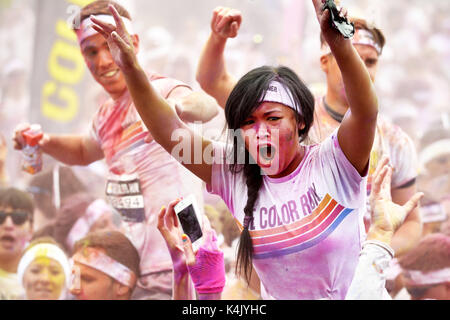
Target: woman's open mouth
<point>267,152</point>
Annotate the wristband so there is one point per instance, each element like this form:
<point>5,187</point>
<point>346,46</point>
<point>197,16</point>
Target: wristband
<point>208,274</point>
<point>382,245</point>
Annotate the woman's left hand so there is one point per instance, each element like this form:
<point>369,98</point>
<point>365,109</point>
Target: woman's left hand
<point>331,35</point>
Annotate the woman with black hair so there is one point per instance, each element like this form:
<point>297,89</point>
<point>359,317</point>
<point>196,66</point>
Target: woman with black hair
<point>300,207</point>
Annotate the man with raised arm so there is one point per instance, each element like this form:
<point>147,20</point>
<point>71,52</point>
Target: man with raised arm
<point>142,176</point>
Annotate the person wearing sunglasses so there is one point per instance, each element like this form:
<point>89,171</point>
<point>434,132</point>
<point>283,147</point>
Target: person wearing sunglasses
<point>16,221</point>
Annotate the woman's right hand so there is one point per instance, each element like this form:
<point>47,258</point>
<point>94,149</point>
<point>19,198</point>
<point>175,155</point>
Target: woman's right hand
<point>170,230</point>
<point>119,40</point>
<point>226,22</point>
<point>206,266</point>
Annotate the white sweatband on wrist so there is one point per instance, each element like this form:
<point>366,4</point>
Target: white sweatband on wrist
<point>369,280</point>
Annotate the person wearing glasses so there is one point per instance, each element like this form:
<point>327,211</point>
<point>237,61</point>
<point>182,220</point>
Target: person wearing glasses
<point>16,228</point>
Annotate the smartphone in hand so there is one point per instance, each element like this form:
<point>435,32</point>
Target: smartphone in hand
<point>190,219</point>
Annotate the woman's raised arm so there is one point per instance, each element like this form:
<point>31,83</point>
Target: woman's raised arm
<point>357,131</point>
<point>159,117</point>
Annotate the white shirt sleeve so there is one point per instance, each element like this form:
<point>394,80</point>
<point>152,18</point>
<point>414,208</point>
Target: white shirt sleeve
<point>369,281</point>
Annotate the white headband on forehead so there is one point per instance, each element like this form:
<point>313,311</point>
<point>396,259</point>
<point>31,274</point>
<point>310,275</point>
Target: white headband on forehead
<point>278,93</point>
<point>44,250</point>
<point>433,213</point>
<point>86,29</point>
<point>361,37</point>
<point>100,261</point>
<point>418,278</point>
<point>433,151</point>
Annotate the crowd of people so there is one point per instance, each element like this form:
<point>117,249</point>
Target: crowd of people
<point>306,194</point>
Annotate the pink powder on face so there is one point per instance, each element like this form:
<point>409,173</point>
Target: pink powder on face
<point>281,135</point>
<point>92,67</point>
<point>307,226</point>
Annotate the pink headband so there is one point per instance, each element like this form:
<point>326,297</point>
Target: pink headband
<point>418,278</point>
<point>98,260</point>
<point>86,29</point>
<point>278,93</point>
<point>361,37</point>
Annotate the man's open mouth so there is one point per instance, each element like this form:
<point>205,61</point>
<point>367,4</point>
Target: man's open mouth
<point>6,239</point>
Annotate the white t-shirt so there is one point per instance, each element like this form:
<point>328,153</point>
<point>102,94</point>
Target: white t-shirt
<point>308,227</point>
<point>152,178</point>
<point>10,288</point>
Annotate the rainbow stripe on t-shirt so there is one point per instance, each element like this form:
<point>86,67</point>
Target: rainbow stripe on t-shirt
<point>302,234</point>
<point>130,139</point>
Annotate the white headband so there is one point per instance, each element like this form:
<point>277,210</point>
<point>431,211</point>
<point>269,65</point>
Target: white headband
<point>83,225</point>
<point>86,29</point>
<point>278,93</point>
<point>436,149</point>
<point>361,37</point>
<point>418,278</point>
<point>44,250</point>
<point>433,213</point>
<point>100,261</point>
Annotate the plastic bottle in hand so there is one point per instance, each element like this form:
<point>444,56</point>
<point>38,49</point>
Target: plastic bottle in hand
<point>32,153</point>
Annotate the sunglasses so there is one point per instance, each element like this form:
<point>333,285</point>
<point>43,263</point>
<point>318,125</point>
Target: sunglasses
<point>18,218</point>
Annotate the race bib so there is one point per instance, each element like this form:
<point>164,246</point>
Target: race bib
<point>125,195</point>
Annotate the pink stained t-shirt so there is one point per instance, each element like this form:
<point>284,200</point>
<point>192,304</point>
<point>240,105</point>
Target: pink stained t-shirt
<point>308,227</point>
<point>120,132</point>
